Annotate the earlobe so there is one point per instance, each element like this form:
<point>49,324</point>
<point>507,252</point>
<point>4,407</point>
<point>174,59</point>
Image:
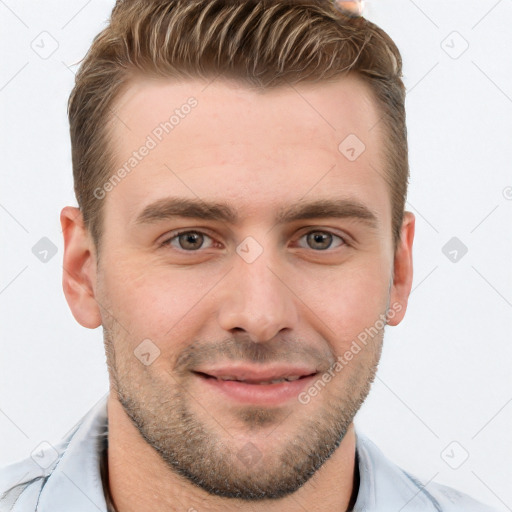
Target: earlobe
<point>403,271</point>
<point>79,269</point>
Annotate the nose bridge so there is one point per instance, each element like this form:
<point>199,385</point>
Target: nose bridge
<point>256,299</point>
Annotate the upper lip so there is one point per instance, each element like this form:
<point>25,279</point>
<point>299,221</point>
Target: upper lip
<point>252,374</point>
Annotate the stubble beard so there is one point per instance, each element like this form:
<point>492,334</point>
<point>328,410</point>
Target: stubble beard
<point>204,454</point>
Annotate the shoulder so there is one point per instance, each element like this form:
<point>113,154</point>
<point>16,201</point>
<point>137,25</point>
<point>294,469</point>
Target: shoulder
<point>385,486</point>
<point>61,477</point>
<point>22,482</point>
<point>20,486</point>
<point>448,499</point>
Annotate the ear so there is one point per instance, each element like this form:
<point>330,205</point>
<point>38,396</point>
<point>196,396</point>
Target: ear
<point>402,275</point>
<point>79,274</point>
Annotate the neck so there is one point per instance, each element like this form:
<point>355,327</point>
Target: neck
<point>138,479</point>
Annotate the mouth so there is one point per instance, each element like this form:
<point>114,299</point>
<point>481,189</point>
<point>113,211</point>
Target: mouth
<point>277,380</point>
<point>256,374</point>
<point>263,387</point>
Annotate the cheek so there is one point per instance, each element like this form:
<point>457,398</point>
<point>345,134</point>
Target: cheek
<point>345,301</point>
<point>153,304</point>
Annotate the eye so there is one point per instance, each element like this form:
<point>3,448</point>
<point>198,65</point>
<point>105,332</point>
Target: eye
<point>321,240</point>
<point>188,240</point>
<point>192,240</point>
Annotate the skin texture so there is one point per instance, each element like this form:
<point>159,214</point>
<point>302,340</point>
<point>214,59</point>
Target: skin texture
<point>175,443</point>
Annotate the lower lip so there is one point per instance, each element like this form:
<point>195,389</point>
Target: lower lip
<point>263,394</point>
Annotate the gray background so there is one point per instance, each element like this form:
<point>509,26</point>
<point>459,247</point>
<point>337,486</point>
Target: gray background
<point>444,388</point>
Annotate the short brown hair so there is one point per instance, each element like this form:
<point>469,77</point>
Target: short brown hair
<point>263,43</point>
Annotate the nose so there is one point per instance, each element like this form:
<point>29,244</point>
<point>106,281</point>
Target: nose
<point>256,298</point>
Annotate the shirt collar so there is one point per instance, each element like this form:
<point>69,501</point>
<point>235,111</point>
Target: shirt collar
<point>386,487</point>
<point>75,482</point>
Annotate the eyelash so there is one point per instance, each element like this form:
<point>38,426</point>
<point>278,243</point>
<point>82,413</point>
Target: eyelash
<point>177,234</point>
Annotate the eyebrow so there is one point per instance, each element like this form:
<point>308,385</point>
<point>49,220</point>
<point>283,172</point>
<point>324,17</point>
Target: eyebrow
<point>168,208</point>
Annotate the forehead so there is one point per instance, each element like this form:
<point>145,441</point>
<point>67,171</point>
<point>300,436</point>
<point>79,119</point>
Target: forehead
<point>258,149</point>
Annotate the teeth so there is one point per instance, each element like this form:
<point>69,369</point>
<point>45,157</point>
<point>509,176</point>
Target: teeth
<point>275,381</point>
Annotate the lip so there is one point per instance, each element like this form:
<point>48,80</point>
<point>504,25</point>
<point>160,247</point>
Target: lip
<point>254,375</point>
<point>256,394</point>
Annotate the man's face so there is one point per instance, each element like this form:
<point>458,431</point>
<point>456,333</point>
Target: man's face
<point>250,289</point>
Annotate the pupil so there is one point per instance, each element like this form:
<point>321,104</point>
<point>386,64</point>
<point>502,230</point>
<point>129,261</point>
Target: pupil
<point>189,240</point>
<point>324,239</point>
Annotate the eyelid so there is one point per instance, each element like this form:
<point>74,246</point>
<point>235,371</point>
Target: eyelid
<point>325,229</point>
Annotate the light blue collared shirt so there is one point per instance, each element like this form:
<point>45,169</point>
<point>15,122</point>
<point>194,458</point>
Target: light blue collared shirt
<point>67,478</point>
